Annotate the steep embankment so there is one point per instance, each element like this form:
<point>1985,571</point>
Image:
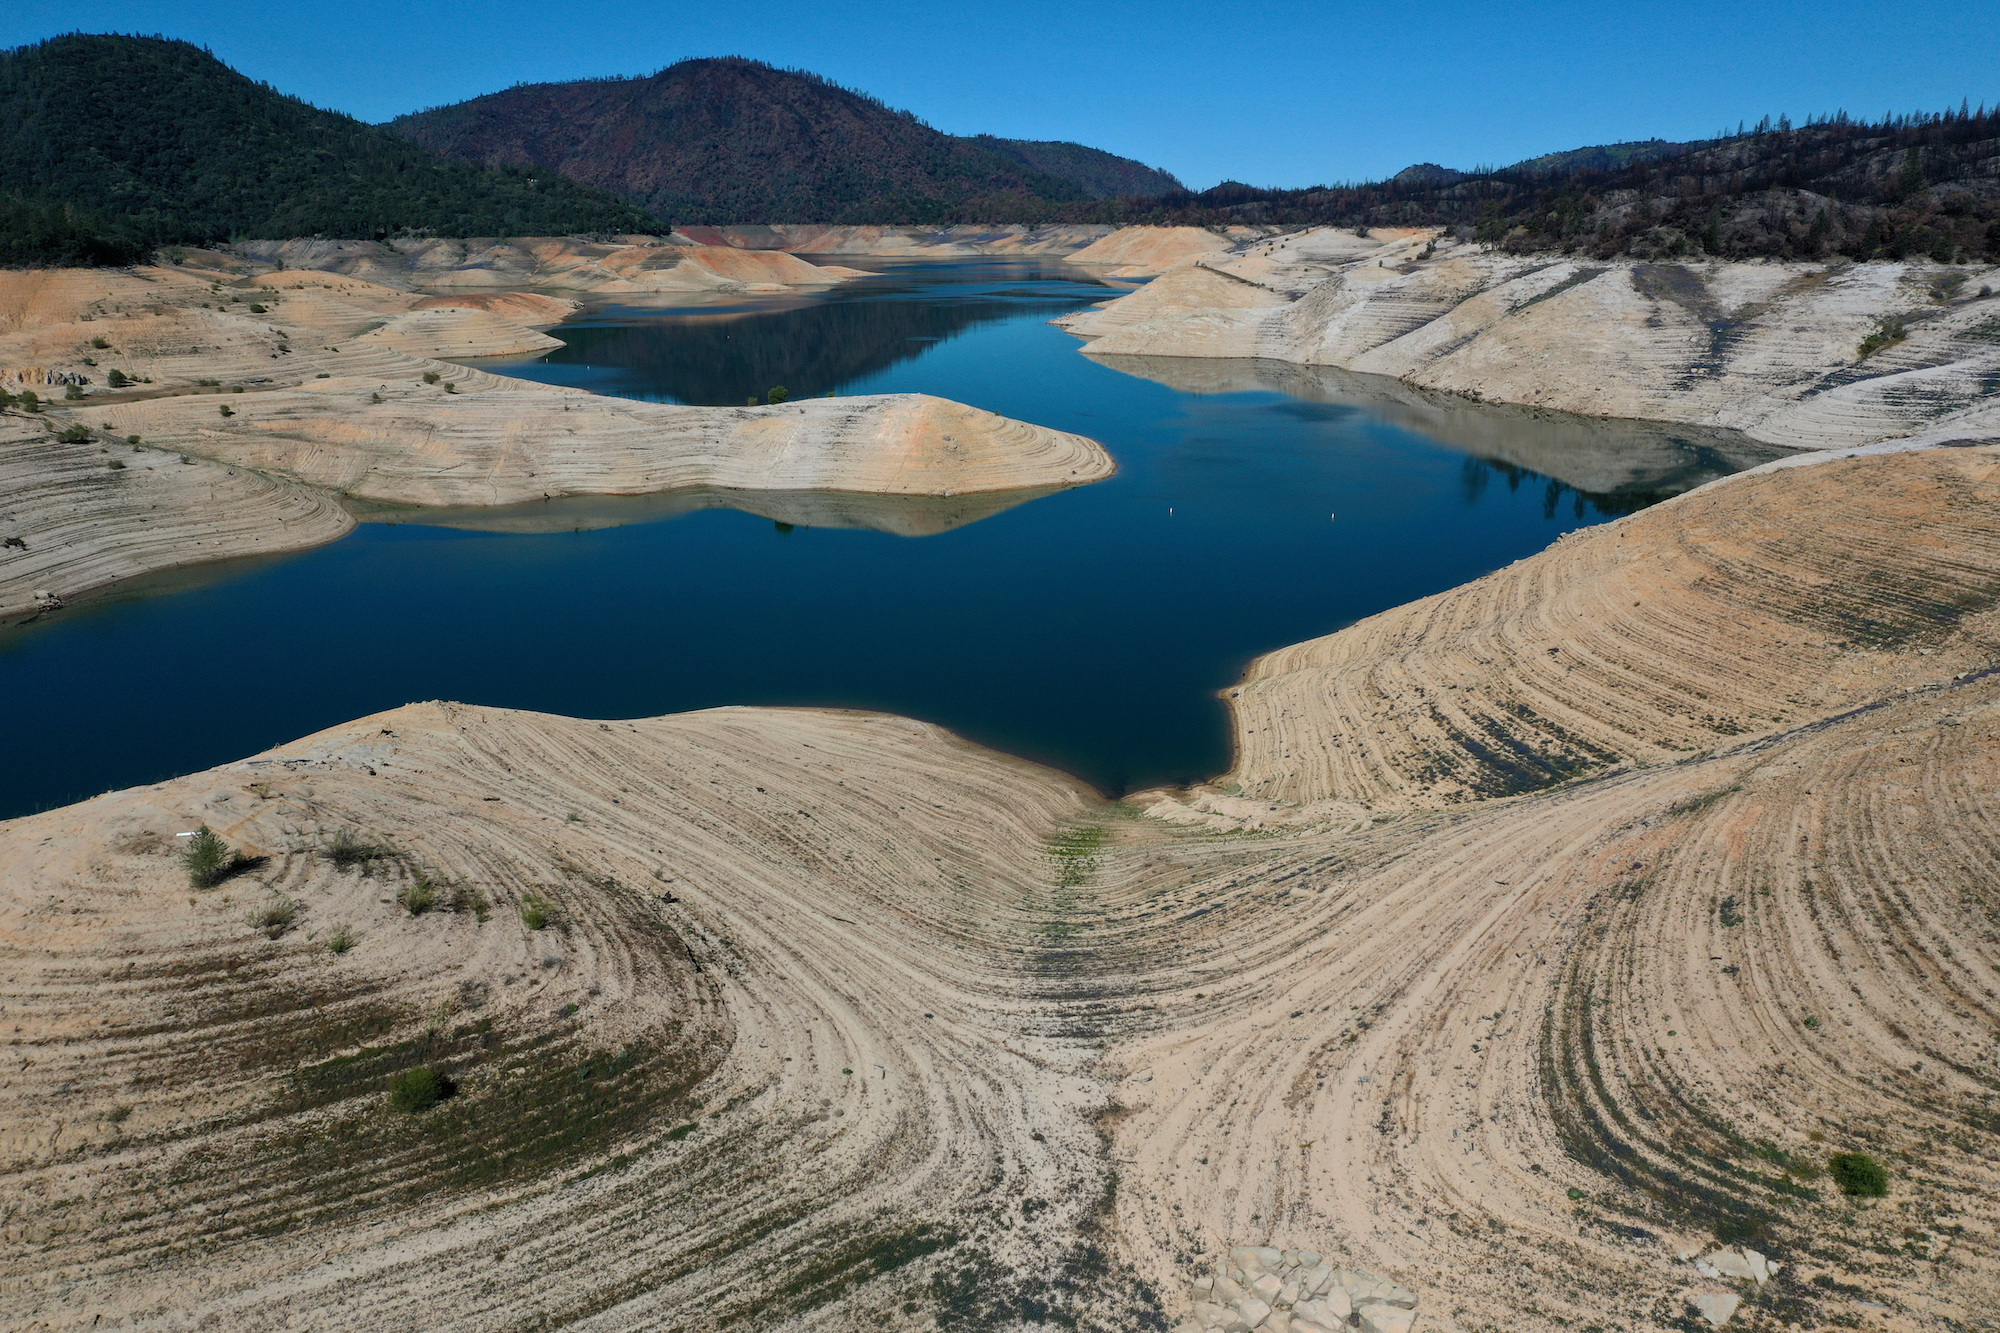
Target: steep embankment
<point>774,1018</point>
<point>1804,355</point>
<point>329,381</point>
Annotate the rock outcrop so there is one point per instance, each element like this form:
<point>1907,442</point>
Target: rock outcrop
<point>1800,355</point>
<point>1260,1289</point>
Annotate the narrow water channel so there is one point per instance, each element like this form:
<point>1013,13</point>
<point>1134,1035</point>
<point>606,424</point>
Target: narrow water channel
<point>1256,504</point>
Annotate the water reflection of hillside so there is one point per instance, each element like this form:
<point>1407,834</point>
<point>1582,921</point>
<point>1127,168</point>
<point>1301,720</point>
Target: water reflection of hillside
<point>1609,465</point>
<point>722,357</point>
<point>902,515</point>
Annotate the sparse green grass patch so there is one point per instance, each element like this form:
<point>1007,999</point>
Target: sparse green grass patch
<point>1858,1175</point>
<point>419,1089</point>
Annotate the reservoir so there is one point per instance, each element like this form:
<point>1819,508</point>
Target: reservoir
<point>1256,504</point>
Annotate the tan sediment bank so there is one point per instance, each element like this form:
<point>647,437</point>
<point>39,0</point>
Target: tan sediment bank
<point>626,265</point>
<point>332,386</point>
<point>830,1012</point>
<point>1770,349</point>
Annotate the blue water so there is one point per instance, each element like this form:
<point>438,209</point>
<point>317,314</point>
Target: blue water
<point>1089,629</point>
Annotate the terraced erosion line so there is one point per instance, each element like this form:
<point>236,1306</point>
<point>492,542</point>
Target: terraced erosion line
<point>772,1018</point>
<point>330,388</point>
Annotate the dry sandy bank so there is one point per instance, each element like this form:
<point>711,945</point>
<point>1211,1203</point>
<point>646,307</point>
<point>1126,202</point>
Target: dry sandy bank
<point>1773,350</point>
<point>328,381</point>
<point>624,265</point>
<point>838,1022</point>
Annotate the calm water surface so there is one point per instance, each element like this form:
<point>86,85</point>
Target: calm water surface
<point>1255,505</point>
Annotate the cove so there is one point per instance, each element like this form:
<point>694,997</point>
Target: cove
<point>1256,505</point>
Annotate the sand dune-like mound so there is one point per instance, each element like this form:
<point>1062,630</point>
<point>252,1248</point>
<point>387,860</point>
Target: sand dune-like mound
<point>657,959</point>
<point>76,516</point>
<point>1740,610</point>
<point>502,443</point>
<point>1143,251</point>
<point>1774,350</point>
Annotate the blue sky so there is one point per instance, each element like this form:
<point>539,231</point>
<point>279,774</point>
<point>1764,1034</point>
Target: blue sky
<point>1273,92</point>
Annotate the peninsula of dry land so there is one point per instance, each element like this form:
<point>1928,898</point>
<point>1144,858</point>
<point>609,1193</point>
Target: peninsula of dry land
<point>190,414</point>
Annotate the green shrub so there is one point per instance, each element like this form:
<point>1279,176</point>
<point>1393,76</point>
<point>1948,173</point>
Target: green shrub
<point>430,377</point>
<point>206,858</point>
<point>777,395</point>
<point>132,440</point>
<point>1858,1175</point>
<point>419,895</point>
<point>256,309</point>
<point>275,917</point>
<point>346,850</point>
<point>30,402</point>
<point>1887,332</point>
<point>75,435</point>
<point>116,379</point>
<point>419,1090</point>
<point>226,410</point>
<point>536,913</point>
<point>236,388</point>
<point>341,940</point>
<point>72,392</point>
<point>116,464</point>
<point>99,343</point>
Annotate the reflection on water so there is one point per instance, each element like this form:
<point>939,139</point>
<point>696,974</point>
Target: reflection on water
<point>1616,467</point>
<point>1254,506</point>
<point>902,515</point>
<point>720,355</point>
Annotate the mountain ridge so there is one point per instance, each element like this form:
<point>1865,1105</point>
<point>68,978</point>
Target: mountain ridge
<point>727,140</point>
<point>111,146</point>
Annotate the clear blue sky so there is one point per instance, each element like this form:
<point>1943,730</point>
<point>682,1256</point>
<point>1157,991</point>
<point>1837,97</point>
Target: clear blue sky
<point>1273,92</point>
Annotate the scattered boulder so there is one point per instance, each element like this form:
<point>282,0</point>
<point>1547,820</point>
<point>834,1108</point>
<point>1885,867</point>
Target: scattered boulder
<point>1260,1289</point>
<point>1717,1306</point>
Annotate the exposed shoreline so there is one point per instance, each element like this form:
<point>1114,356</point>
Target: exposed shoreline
<point>336,387</point>
<point>1768,349</point>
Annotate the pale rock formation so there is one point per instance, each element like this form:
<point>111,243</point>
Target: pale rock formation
<point>1768,349</point>
<point>1717,1307</point>
<point>1269,1290</point>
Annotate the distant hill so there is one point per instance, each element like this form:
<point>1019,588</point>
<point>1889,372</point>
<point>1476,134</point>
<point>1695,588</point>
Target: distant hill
<point>1602,157</point>
<point>731,140</point>
<point>1918,185</point>
<point>1101,175</point>
<point>111,146</point>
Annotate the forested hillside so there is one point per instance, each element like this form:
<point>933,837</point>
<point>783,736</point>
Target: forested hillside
<point>1907,185</point>
<point>738,141</point>
<point>111,146</point>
